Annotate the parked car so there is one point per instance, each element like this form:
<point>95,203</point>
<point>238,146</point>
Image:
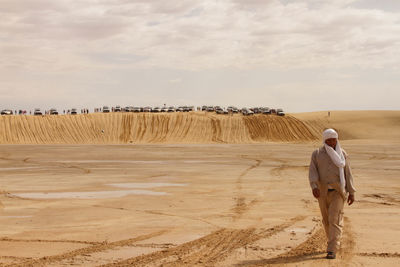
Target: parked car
<point>180,109</point>
<point>218,110</point>
<point>147,109</point>
<point>266,111</point>
<point>37,111</point>
<point>280,112</point>
<point>204,108</point>
<point>164,109</point>
<point>74,111</point>
<point>128,109</point>
<point>6,112</point>
<point>53,111</point>
<point>156,109</point>
<point>210,109</point>
<point>106,109</point>
<point>117,109</point>
<point>222,111</point>
<point>247,112</point>
<point>171,109</point>
<point>136,109</point>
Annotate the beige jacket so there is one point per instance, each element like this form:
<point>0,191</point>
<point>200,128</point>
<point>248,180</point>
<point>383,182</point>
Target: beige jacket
<point>323,173</point>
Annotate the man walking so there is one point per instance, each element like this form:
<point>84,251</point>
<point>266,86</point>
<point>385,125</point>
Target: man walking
<point>332,184</point>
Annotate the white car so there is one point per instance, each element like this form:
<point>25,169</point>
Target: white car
<point>37,112</point>
<point>6,112</point>
<point>106,109</point>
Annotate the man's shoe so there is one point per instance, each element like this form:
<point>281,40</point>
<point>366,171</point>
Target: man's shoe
<point>331,255</point>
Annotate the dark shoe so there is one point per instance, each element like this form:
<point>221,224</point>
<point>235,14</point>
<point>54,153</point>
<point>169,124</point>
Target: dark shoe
<point>331,255</point>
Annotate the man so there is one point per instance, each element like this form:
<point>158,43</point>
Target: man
<point>332,184</point>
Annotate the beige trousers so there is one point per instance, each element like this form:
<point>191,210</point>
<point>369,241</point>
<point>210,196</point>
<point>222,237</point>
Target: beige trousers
<point>331,206</point>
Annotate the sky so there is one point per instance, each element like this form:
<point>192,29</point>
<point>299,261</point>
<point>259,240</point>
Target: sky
<point>292,54</point>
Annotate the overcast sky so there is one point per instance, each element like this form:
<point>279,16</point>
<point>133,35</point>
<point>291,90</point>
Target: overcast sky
<point>295,54</point>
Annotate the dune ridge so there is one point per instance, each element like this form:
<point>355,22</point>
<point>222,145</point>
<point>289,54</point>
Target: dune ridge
<point>195,127</point>
<point>122,128</point>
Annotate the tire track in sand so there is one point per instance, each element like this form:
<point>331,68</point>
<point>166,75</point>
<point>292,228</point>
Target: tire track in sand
<point>314,248</point>
<point>84,251</point>
<point>240,200</point>
<point>207,250</point>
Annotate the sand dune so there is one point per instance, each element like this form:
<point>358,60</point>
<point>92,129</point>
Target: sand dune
<point>353,125</point>
<point>120,128</point>
<point>196,127</point>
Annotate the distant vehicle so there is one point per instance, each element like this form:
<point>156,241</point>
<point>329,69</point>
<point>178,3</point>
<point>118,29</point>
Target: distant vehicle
<point>136,109</point>
<point>164,109</point>
<point>74,111</point>
<point>266,111</point>
<point>187,109</point>
<point>280,113</point>
<point>180,109</point>
<point>117,109</point>
<point>147,109</point>
<point>219,110</point>
<point>222,111</point>
<point>171,109</point>
<point>53,111</point>
<point>37,112</point>
<point>6,112</point>
<point>204,108</point>
<point>210,109</point>
<point>247,112</point>
<point>273,111</point>
<point>235,110</point>
<point>156,109</point>
<point>106,109</point>
<point>128,109</point>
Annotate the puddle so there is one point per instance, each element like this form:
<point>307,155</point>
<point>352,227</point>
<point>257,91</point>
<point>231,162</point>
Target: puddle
<point>89,195</point>
<point>145,185</point>
<point>298,230</point>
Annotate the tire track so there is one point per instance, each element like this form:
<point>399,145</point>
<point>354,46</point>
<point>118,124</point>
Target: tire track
<point>240,201</point>
<point>313,248</point>
<point>84,251</point>
<point>6,239</point>
<point>207,250</point>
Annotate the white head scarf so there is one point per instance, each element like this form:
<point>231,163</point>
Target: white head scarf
<point>336,154</point>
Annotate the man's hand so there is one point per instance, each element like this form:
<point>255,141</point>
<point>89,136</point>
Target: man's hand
<point>316,192</point>
<point>350,199</point>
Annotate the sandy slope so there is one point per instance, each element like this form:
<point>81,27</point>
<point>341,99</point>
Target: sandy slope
<point>353,125</point>
<point>120,128</point>
<point>196,127</point>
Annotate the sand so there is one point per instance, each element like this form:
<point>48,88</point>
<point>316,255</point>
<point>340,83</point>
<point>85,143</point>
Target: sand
<point>195,204</point>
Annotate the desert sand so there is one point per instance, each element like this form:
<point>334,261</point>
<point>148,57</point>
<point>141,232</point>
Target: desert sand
<point>191,190</point>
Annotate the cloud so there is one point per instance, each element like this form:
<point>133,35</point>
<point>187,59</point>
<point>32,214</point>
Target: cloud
<point>202,34</point>
<point>87,44</point>
<point>177,80</point>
